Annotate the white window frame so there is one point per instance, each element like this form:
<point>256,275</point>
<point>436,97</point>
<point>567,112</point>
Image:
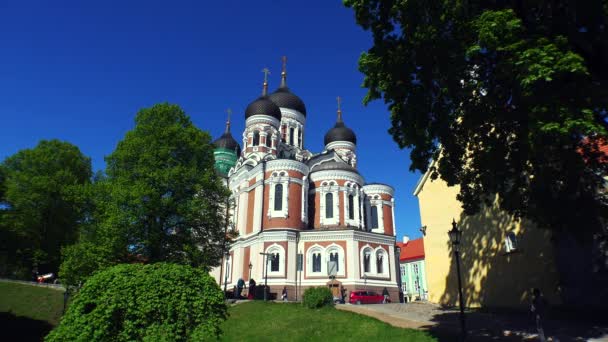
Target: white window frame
<point>333,188</point>
<point>273,249</point>
<point>309,262</point>
<point>351,189</point>
<point>371,260</point>
<point>335,248</point>
<point>279,177</point>
<point>385,263</point>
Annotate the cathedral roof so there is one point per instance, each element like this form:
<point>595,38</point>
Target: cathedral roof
<point>284,98</point>
<point>228,142</point>
<point>340,133</point>
<point>263,106</point>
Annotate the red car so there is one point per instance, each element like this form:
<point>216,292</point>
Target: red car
<point>365,297</point>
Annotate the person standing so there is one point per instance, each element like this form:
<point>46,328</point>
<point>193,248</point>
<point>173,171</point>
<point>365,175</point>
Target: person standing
<point>284,294</point>
<point>386,296</point>
<point>538,308</point>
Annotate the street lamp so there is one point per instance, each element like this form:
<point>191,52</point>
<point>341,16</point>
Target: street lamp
<point>227,255</point>
<point>266,255</point>
<point>455,236</point>
<point>250,267</point>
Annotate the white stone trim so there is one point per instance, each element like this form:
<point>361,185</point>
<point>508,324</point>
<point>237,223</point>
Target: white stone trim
<point>276,248</point>
<point>261,119</point>
<point>379,189</point>
<point>304,199</point>
<point>336,174</point>
<point>287,164</point>
<point>334,145</point>
<point>341,258</point>
<point>273,182</point>
<point>288,113</point>
<point>309,260</point>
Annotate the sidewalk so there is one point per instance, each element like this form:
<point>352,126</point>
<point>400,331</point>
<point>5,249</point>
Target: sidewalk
<point>444,323</point>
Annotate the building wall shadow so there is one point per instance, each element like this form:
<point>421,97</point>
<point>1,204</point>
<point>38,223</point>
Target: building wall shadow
<point>493,277</point>
<point>18,328</point>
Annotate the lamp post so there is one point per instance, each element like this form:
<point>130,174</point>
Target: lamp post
<point>250,267</point>
<point>227,255</point>
<point>266,255</point>
<point>455,236</point>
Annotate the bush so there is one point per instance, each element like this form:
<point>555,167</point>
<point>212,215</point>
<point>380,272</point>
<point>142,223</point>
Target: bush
<point>133,302</point>
<point>316,297</point>
<point>80,260</point>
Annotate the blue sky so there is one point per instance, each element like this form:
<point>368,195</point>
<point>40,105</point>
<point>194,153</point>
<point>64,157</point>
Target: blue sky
<point>79,71</point>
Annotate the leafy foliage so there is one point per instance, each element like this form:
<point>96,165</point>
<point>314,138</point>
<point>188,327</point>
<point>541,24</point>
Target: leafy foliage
<point>160,199</point>
<point>39,212</point>
<point>513,95</point>
<point>316,297</point>
<point>132,302</point>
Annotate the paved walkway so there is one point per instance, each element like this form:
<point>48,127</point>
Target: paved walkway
<point>444,323</point>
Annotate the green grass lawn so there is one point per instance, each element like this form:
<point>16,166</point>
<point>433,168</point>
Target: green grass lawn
<point>29,313</point>
<point>34,302</point>
<point>259,321</point>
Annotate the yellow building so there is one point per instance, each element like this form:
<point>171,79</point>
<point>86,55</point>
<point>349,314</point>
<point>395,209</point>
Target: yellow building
<point>502,259</point>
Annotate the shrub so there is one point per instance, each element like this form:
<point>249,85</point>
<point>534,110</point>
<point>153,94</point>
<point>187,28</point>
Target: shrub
<point>316,297</point>
<point>133,302</point>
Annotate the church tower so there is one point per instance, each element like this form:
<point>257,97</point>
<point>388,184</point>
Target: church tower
<point>261,135</point>
<point>342,139</point>
<point>293,118</point>
<point>226,151</point>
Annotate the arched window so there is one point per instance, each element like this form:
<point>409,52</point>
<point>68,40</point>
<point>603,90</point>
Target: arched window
<point>291,133</point>
<point>333,257</point>
<point>379,262</point>
<point>300,138</point>
<point>367,255</point>
<point>374,217</point>
<point>274,262</point>
<point>278,197</point>
<point>351,207</point>
<point>329,205</point>
<point>283,133</point>
<point>256,138</point>
<point>316,262</point>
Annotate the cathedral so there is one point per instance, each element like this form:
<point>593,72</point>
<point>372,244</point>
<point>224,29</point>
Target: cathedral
<point>302,219</point>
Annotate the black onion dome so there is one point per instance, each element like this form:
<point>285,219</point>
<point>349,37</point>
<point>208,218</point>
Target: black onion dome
<point>284,98</point>
<point>340,133</point>
<point>227,141</point>
<point>263,106</point>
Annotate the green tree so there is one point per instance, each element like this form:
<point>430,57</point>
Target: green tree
<point>38,210</point>
<point>159,200</point>
<point>513,94</point>
<point>158,302</point>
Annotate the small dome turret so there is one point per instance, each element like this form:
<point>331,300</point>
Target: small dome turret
<point>340,132</point>
<point>284,98</point>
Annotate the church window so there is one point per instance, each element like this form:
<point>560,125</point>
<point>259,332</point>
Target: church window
<point>379,262</point>
<point>256,138</point>
<point>316,262</point>
<point>278,197</point>
<point>351,207</point>
<point>334,257</point>
<point>329,205</point>
<point>274,262</point>
<point>300,138</point>
<point>291,134</point>
<point>366,261</point>
<point>374,217</point>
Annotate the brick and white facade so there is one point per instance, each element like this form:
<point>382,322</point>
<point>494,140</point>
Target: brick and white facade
<point>289,201</point>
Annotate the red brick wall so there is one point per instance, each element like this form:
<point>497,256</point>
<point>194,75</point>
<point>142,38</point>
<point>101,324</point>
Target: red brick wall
<point>246,258</point>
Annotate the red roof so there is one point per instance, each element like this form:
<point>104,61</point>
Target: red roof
<point>413,249</point>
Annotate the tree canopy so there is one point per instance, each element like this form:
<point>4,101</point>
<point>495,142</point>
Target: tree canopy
<point>512,94</point>
<point>39,212</point>
<point>159,302</point>
<point>160,199</point>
